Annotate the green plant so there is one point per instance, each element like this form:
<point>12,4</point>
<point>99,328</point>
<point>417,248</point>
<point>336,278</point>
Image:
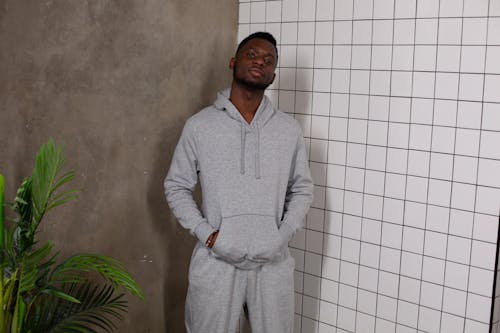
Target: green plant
<point>38,293</point>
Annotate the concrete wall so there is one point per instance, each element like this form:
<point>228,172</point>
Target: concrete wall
<point>113,81</point>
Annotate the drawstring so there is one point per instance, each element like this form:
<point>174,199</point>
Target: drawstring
<point>257,153</point>
<point>243,139</point>
<point>257,150</point>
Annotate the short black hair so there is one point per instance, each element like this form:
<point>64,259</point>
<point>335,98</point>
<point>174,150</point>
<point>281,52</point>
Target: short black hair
<point>259,34</point>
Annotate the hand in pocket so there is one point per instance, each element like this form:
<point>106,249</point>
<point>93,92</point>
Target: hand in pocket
<point>274,247</point>
<point>228,250</point>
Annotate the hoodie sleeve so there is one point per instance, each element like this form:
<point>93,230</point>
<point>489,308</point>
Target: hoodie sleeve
<point>299,192</point>
<point>180,182</point>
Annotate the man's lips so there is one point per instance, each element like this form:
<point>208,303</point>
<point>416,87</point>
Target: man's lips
<point>256,71</point>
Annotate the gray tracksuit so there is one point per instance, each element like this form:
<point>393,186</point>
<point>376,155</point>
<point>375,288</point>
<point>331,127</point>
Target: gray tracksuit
<point>256,190</point>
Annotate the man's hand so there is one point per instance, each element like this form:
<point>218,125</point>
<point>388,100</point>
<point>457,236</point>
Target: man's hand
<point>211,239</point>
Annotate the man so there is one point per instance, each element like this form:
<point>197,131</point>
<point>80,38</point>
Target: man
<point>256,189</point>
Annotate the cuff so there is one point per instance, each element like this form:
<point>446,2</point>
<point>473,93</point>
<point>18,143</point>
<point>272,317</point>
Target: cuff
<point>286,232</point>
<point>203,230</point>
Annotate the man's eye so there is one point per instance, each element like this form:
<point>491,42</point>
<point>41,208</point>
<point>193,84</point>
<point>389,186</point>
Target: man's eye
<point>268,61</point>
<point>251,54</point>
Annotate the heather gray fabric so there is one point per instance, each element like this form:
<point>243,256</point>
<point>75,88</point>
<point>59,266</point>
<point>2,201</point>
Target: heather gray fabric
<point>217,291</point>
<point>256,190</point>
<point>255,181</point>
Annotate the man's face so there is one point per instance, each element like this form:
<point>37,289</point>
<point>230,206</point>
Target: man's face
<point>254,64</point>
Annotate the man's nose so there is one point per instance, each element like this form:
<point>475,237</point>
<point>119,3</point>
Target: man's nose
<point>259,61</point>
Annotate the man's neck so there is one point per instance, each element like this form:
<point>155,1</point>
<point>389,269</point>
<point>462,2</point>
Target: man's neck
<point>246,100</point>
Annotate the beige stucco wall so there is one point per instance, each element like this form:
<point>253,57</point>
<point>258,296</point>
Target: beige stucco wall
<point>113,81</point>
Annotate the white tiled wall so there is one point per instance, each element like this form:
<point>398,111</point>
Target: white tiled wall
<point>400,106</point>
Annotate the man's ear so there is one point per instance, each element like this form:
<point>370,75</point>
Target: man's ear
<point>231,63</point>
<point>274,76</point>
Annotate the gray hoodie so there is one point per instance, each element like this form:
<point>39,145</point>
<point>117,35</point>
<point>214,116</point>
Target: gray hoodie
<point>255,181</point>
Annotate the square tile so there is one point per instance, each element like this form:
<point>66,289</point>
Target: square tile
<point>450,8</point>
<point>443,139</point>
<point>450,31</point>
<point>322,56</point>
<point>382,32</point>
<point>368,278</point>
<point>390,260</point>
<point>411,265</point>
<point>372,207</point>
<point>357,130</point>
<point>420,137</point>
<point>433,270</point>
<point>396,159</point>
<point>324,10</point>
<point>343,10</point>
<point>401,84</point>
<point>305,56</point>
<point>380,83</point>
<point>474,31</point>
<point>392,235</point>
<point>324,32</point>
<point>427,8</point>
<point>347,296</point>
<point>393,210</point>
<point>473,59</point>
<point>341,57</point>
<point>367,302</point>
<point>426,31</point>
<point>395,186</point>
<point>404,31</point>
<point>435,244</point>
<point>431,295</point>
<point>465,169</point>
<point>416,189</point>
<point>439,192</point>
<point>487,200</point>
<point>447,85</point>
<point>290,10</point>
<point>307,10</point>
<point>342,32</point>
<point>451,323</point>
<point>437,218</point>
<point>331,268</point>
<point>407,315</point>
<point>467,142</point>
<point>409,289</point>
<point>423,84</point>
<point>471,87</point>
<point>388,284</point>
<point>463,196</point>
<point>481,281</point>
<point>414,214</point>
<point>456,275</point>
<point>402,57</point>
<point>381,56</point>
<point>305,32</point>
<point>349,274</point>
<point>362,32</point>
<point>350,250</point>
<point>448,57</point>
<point>459,250</point>
<point>375,158</point>
<point>483,255</point>
<point>413,240</point>
<point>489,145</point>
<point>321,104</point>
<point>371,232</point>
<point>361,56</point>
<point>428,319</point>
<point>441,166</point>
<point>461,223</point>
<point>485,228</point>
<point>418,163</point>
<point>425,58</point>
<point>386,308</point>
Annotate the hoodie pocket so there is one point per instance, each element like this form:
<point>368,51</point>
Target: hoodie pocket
<point>248,239</point>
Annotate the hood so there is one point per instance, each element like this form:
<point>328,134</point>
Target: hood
<point>264,113</point>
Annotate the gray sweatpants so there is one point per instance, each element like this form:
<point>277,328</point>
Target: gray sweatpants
<point>217,291</point>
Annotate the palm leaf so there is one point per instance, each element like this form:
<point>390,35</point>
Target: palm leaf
<point>97,309</point>
<point>110,269</point>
